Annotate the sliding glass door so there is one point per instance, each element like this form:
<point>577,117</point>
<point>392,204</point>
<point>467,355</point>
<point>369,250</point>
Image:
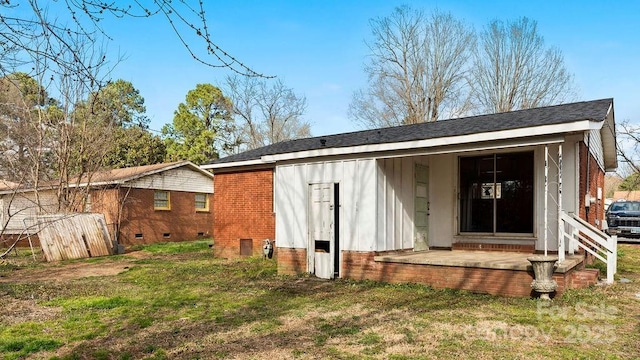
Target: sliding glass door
<point>496,193</point>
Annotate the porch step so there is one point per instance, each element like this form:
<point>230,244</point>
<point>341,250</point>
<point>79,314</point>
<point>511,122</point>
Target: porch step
<point>584,278</point>
<point>529,249</point>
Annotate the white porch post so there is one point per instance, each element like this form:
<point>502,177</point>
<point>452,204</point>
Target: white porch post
<point>560,222</point>
<point>546,196</point>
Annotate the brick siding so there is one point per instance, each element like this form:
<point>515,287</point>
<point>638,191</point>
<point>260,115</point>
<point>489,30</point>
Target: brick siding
<point>292,261</point>
<point>596,180</point>
<point>514,283</point>
<point>181,223</point>
<point>7,240</point>
<point>243,209</point>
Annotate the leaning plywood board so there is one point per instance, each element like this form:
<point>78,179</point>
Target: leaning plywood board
<point>73,236</point>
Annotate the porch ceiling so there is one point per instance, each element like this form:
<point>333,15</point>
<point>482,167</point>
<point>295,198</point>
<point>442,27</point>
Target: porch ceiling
<point>474,259</point>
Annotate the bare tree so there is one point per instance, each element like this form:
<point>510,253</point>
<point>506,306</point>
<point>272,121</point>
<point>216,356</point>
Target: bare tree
<point>265,113</point>
<point>51,142</point>
<point>26,27</point>
<point>628,144</point>
<point>416,70</point>
<point>54,142</point>
<point>513,69</point>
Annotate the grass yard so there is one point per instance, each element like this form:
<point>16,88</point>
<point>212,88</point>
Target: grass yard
<point>175,301</point>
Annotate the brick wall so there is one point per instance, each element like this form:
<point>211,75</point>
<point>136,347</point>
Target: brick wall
<point>596,180</point>
<point>243,209</point>
<point>106,201</point>
<point>7,240</point>
<point>141,224</point>
<point>362,266</point>
<point>292,261</point>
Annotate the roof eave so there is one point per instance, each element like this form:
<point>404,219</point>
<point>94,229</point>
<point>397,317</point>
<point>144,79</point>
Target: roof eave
<point>235,164</point>
<point>555,129</point>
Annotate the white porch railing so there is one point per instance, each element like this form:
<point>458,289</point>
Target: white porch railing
<point>582,234</point>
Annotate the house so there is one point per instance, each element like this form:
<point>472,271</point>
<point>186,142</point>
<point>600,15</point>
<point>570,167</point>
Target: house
<point>629,195</point>
<point>142,205</point>
<point>432,203</point>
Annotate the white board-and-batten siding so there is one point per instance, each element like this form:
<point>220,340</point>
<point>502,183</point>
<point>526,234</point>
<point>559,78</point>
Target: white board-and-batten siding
<point>376,202</point>
<point>395,182</point>
<point>357,185</point>
<point>181,179</point>
<point>396,201</point>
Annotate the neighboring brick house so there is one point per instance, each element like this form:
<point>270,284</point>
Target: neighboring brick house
<point>337,203</point>
<point>142,205</point>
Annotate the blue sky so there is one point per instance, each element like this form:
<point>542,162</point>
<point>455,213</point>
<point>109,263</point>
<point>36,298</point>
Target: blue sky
<point>317,48</point>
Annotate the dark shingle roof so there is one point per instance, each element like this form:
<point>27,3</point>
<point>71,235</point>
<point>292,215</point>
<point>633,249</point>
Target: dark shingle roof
<point>595,110</point>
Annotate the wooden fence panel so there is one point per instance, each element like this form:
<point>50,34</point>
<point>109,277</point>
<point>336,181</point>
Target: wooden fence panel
<point>73,236</point>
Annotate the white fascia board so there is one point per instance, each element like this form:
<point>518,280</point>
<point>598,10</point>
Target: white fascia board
<point>235,164</point>
<point>102,183</point>
<point>555,129</point>
<point>198,169</point>
<point>596,125</point>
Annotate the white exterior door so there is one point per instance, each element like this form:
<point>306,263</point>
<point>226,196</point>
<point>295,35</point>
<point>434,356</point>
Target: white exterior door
<point>321,230</point>
<point>421,220</point>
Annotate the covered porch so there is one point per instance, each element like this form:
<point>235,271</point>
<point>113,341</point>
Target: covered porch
<point>453,258</point>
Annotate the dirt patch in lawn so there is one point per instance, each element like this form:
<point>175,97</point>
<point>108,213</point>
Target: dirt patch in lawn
<point>69,271</point>
<point>16,311</point>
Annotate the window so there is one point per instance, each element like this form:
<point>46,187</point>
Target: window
<point>202,202</point>
<point>496,193</point>
<point>161,200</point>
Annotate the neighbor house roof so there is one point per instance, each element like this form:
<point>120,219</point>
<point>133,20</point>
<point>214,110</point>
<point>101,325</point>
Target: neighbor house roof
<point>119,176</point>
<point>7,185</point>
<point>116,176</point>
<point>582,116</point>
<point>631,195</point>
